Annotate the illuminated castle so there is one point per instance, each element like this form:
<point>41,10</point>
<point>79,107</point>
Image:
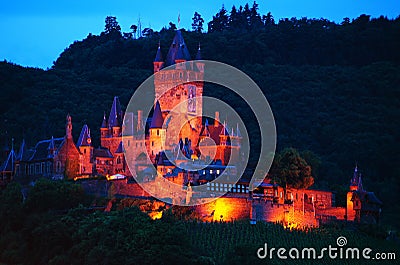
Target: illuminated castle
<point>154,155</point>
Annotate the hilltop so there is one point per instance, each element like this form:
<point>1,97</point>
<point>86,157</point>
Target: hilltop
<point>333,88</point>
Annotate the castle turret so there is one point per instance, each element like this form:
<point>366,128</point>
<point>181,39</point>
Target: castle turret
<point>355,185</point>
<point>104,127</point>
<point>157,133</point>
<point>115,118</point>
<point>236,137</point>
<point>158,61</point>
<point>119,161</point>
<point>223,135</point>
<point>85,147</point>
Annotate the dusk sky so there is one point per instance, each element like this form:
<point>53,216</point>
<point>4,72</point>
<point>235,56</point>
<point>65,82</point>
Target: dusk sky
<point>34,33</point>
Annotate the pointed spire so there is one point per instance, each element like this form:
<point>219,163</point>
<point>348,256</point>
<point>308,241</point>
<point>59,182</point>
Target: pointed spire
<point>238,134</point>
<point>360,185</point>
<point>159,57</point>
<point>115,113</point>
<point>205,131</point>
<point>223,131</point>
<point>84,137</point>
<point>51,145</point>
<point>157,121</point>
<point>178,44</point>
<point>198,55</point>
<point>22,150</point>
<point>104,123</point>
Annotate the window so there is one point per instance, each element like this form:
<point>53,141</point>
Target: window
<point>152,143</point>
<point>118,160</point>
<point>84,151</point>
<point>42,168</point>
<point>58,166</point>
<point>158,132</point>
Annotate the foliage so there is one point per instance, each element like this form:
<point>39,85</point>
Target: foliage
<point>111,25</point>
<point>290,170</point>
<point>198,21</point>
<point>54,195</point>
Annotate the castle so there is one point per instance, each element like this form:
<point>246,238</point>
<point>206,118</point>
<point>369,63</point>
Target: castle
<point>58,158</point>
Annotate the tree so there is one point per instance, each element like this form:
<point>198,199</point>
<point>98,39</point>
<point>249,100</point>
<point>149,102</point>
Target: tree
<point>134,30</point>
<point>219,21</point>
<point>198,21</point>
<point>268,19</point>
<point>111,25</point>
<point>172,26</point>
<point>147,32</point>
<point>290,170</point>
<point>255,19</point>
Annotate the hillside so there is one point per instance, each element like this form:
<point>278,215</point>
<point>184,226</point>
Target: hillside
<point>334,88</point>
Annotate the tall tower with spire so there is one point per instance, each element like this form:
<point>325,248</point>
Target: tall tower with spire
<point>179,99</point>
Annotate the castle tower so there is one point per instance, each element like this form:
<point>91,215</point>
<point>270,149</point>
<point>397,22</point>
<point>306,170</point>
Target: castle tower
<point>104,127</point>
<point>158,61</point>
<point>119,160</point>
<point>224,147</point>
<point>355,185</point>
<point>111,130</point>
<point>178,98</point>
<point>85,147</point>
<point>115,118</point>
<point>68,127</point>
<point>157,133</point>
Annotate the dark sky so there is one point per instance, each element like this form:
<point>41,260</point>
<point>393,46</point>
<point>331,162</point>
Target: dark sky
<point>34,33</point>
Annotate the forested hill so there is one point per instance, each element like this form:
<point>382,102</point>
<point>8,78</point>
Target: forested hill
<point>334,88</point>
